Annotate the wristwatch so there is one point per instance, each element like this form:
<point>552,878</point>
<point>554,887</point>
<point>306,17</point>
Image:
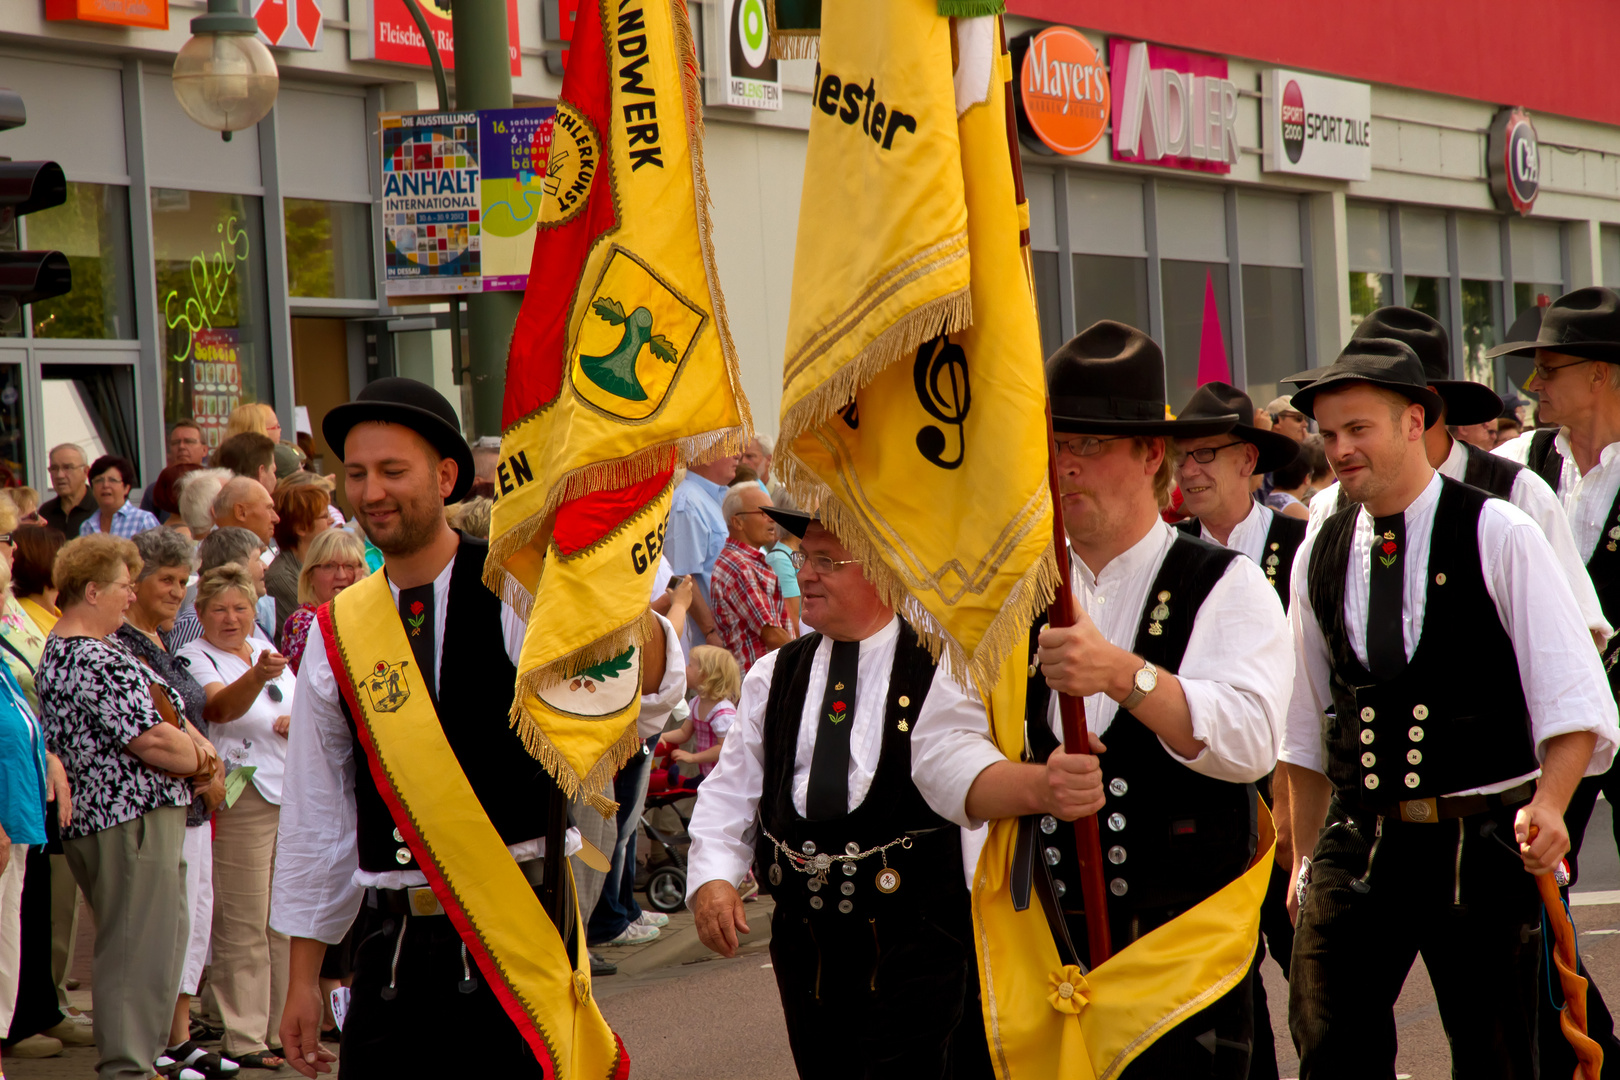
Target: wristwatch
<point>1142,684</point>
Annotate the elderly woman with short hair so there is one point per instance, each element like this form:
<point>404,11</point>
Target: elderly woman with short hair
<point>111,478</point>
<point>336,559</point>
<point>250,696</point>
<point>119,728</point>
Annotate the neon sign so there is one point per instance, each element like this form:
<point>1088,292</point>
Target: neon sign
<point>212,276</point>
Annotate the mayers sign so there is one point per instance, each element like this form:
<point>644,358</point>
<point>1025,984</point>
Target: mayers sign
<point>1171,107</point>
<point>1317,126</point>
<point>1513,161</point>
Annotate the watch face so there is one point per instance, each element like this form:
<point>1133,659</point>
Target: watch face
<point>1146,679</point>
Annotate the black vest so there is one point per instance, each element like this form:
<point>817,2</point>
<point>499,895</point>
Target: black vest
<point>1456,717</point>
<point>1277,559</point>
<point>476,675</point>
<point>1491,473</point>
<point>930,869</point>
<point>1603,563</point>
<point>1171,837</point>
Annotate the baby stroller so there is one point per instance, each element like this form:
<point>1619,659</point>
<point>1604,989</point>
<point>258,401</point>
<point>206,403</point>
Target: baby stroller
<point>666,859</point>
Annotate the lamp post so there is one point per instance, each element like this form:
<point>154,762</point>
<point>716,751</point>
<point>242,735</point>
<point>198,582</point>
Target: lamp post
<point>224,76</point>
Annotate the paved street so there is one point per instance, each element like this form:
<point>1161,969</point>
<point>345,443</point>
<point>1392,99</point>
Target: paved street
<point>686,1014</point>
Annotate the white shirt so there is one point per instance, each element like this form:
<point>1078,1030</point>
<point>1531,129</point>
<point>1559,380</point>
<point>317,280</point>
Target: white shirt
<point>1565,688</point>
<point>318,883</point>
<point>1531,494</point>
<point>1586,499</point>
<point>1249,535</point>
<point>1236,673</point>
<point>251,738</point>
<point>726,817</point>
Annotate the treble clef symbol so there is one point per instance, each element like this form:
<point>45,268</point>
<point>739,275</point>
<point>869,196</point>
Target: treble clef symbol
<point>941,374</point>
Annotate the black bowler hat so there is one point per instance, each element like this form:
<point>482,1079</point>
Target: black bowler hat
<point>1584,323</point>
<point>796,522</point>
<point>1109,380</point>
<point>411,404</point>
<point>1218,399</point>
<point>1466,402</point>
<point>1383,362</point>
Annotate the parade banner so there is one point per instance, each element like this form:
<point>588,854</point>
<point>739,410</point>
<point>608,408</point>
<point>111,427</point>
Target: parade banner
<point>473,876</point>
<point>621,369</point>
<point>913,366</point>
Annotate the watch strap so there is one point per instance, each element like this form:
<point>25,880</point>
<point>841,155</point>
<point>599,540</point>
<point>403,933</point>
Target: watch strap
<point>1134,698</point>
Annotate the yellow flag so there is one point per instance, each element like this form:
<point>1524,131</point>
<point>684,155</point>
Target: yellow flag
<point>621,369</point>
<point>913,376</point>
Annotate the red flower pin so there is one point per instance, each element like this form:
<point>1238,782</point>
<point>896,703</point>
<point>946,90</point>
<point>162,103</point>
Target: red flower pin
<point>837,713</point>
<point>416,607</point>
<point>1389,547</point>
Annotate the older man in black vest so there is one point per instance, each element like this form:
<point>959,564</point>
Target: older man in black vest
<point>872,937</point>
<point>1440,787</point>
<point>1180,651</point>
<point>341,851</point>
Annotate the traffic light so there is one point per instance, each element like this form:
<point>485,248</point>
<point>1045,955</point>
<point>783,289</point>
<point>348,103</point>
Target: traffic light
<point>27,186</point>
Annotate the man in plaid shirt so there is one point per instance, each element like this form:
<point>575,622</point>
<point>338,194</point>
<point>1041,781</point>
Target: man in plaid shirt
<point>748,607</point>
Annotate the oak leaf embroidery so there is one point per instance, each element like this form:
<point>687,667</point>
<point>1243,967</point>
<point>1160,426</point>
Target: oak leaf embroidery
<point>588,679</point>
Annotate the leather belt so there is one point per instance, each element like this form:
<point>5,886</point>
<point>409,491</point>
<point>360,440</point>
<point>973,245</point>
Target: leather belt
<point>1449,807</point>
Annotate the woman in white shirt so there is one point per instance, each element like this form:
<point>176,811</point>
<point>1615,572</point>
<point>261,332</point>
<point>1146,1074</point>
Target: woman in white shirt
<point>250,694</point>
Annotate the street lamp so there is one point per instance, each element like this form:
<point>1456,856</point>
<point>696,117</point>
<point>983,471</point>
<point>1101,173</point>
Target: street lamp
<point>224,76</point>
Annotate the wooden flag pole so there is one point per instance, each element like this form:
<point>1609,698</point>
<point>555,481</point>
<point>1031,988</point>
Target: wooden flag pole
<point>1071,710</point>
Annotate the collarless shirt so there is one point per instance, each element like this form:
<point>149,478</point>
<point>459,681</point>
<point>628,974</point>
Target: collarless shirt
<point>1540,503</point>
<point>1236,675</point>
<point>1586,497</point>
<point>1249,535</point>
<point>1565,688</point>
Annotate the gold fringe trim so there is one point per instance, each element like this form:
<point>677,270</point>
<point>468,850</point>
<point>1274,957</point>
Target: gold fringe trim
<point>790,44</point>
<point>632,634</point>
<point>1029,596</point>
<point>592,787</point>
<point>946,314</point>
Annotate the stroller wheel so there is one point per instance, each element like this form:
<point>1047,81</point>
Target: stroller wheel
<point>666,889</point>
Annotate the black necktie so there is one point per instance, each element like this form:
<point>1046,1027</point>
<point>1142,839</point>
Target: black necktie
<point>416,612</point>
<point>828,794</point>
<point>1386,640</point>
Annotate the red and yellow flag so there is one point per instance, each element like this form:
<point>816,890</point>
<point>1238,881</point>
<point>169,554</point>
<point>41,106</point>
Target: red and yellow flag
<point>621,369</point>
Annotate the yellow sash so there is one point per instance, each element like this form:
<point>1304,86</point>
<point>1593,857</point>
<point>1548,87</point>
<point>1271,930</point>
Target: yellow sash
<point>473,875</point>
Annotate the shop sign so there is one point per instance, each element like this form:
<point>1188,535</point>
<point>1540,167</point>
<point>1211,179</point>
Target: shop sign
<point>1171,107</point>
<point>1317,126</point>
<point>1513,161</point>
<point>746,76</point>
<point>1062,90</point>
<point>394,38</point>
<point>289,24</point>
<point>146,14</point>
<point>461,198</point>
<point>216,380</point>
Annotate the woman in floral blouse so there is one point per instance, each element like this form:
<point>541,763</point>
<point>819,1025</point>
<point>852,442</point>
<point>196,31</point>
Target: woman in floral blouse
<point>335,560</point>
<point>103,713</point>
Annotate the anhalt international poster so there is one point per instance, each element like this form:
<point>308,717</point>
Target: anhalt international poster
<point>514,155</point>
<point>431,214</point>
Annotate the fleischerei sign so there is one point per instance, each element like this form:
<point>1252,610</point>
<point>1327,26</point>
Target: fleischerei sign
<point>1315,126</point>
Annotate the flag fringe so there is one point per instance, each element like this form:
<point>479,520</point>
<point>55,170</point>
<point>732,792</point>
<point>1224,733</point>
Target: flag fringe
<point>792,44</point>
<point>971,9</point>
<point>1031,595</point>
<point>591,788</point>
<point>632,634</point>
<point>946,314</point>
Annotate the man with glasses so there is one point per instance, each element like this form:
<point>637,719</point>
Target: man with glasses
<point>1180,652</point>
<point>872,935</point>
<point>1287,420</point>
<point>186,447</point>
<point>748,608</point>
<point>72,506</point>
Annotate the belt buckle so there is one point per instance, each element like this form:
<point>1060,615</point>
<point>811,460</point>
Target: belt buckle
<point>423,902</point>
<point>1420,811</point>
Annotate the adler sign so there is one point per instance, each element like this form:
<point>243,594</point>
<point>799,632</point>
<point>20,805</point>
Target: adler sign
<point>1172,108</point>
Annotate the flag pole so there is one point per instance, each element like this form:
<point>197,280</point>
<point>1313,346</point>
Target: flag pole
<point>1071,710</point>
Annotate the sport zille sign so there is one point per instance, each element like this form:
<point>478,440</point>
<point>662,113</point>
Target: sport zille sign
<point>1317,126</point>
<point>1062,90</point>
<point>1171,107</point>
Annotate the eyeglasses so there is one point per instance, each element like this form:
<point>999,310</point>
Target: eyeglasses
<point>334,567</point>
<point>750,513</point>
<point>130,585</point>
<point>1543,372</point>
<point>110,478</point>
<point>1086,445</point>
<point>57,470</point>
<point>819,563</point>
<point>1206,454</point>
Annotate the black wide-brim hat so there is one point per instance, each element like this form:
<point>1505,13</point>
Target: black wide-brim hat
<point>1383,362</point>
<point>796,522</point>
<point>1584,323</point>
<point>1109,380</point>
<point>411,404</point>
<point>1215,399</point>
<point>1467,402</point>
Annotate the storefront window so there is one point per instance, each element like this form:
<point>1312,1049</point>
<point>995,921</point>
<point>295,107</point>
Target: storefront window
<point>1110,287</point>
<point>1368,293</point>
<point>1186,285</point>
<point>92,229</point>
<point>12,445</point>
<point>1273,327</point>
<point>1044,264</point>
<point>1481,328</point>
<point>1430,295</point>
<point>1528,294</point>
<point>329,249</point>
<point>210,284</point>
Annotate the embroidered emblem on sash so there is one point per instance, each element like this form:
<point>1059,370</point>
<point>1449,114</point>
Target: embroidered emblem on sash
<point>386,686</point>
